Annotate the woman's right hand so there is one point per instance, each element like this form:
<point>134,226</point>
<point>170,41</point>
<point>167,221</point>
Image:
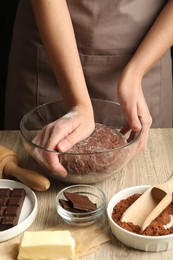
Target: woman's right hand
<point>65,62</point>
<point>61,135</point>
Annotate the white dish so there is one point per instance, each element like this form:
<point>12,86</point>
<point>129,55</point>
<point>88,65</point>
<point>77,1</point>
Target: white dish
<point>28,213</point>
<point>140,242</point>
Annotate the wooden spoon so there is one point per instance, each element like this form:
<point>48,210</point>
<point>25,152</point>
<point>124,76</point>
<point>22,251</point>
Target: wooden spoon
<point>149,205</point>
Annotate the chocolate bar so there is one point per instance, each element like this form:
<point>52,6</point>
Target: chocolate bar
<point>11,202</point>
<point>77,203</point>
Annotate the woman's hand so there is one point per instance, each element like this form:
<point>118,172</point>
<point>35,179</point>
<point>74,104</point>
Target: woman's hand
<point>133,104</point>
<point>156,42</point>
<point>61,135</point>
<point>54,22</point>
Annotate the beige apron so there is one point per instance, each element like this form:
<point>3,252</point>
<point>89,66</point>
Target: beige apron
<point>107,33</point>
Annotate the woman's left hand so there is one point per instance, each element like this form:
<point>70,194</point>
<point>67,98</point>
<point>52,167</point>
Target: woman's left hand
<point>132,101</point>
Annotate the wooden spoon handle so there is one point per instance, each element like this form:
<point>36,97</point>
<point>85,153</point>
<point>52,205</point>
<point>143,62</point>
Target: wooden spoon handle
<point>32,179</point>
<point>156,211</point>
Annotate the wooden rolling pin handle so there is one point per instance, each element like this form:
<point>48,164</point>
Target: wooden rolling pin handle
<point>32,179</point>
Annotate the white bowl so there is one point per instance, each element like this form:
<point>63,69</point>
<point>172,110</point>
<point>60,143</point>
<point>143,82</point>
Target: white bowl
<point>141,242</point>
<point>28,213</point>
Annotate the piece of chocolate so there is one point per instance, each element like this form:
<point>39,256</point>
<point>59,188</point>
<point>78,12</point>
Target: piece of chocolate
<point>66,204</point>
<point>5,192</point>
<point>18,193</point>
<point>11,202</point>
<point>3,201</point>
<point>80,202</point>
<point>2,209</point>
<point>8,222</point>
<point>15,201</point>
<point>12,211</point>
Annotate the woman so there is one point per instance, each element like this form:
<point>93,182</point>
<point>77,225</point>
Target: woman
<point>116,50</point>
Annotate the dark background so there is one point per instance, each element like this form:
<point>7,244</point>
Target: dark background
<point>8,11</point>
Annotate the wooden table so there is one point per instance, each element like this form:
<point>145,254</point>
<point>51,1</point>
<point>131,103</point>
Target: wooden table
<point>153,165</point>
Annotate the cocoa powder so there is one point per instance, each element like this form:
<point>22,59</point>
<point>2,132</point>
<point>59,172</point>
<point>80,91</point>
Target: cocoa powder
<point>157,226</point>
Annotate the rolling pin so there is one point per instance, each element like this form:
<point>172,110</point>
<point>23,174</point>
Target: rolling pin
<point>9,168</point>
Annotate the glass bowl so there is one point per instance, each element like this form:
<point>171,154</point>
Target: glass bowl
<point>94,194</point>
<point>84,167</point>
<point>136,241</point>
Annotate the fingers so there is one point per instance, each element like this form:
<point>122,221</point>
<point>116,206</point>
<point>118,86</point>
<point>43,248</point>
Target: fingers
<point>139,119</point>
<point>134,119</point>
<point>71,139</point>
<point>47,156</point>
<point>80,129</point>
<point>146,124</point>
<point>68,141</point>
<point>59,136</point>
<point>49,160</point>
<point>133,103</point>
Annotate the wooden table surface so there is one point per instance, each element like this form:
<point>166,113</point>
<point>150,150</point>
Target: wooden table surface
<point>152,165</point>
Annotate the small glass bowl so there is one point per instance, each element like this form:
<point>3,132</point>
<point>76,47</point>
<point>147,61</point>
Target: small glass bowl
<point>82,218</point>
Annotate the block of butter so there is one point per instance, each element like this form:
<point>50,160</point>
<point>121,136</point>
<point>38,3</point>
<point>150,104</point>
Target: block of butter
<point>46,245</point>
